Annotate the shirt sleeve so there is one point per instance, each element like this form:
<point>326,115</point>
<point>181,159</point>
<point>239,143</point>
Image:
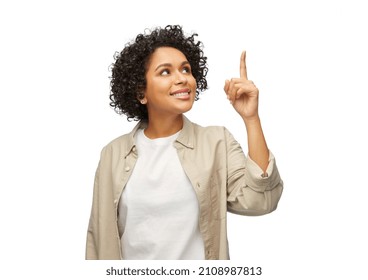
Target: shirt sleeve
<point>250,191</point>
<point>103,241</point>
<point>92,232</point>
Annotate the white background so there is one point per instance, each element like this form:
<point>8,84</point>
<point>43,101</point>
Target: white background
<point>309,60</point>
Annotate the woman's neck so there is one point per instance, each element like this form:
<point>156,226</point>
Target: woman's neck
<point>163,127</point>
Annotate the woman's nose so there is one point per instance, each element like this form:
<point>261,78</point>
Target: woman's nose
<point>181,78</point>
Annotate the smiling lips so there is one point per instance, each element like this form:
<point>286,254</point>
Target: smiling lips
<point>181,94</point>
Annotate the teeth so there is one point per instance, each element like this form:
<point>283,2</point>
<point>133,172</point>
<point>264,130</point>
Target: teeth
<point>181,94</point>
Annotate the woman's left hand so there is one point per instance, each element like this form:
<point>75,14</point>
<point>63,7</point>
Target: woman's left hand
<point>242,93</point>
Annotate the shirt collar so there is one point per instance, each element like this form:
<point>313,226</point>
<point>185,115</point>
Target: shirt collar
<point>185,138</point>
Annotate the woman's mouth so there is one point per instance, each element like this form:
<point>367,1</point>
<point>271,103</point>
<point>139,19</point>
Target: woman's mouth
<point>181,94</point>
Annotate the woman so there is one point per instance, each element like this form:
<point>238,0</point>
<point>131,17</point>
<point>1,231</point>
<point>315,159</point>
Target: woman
<point>162,191</point>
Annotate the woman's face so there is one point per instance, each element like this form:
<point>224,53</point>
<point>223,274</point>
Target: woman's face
<point>171,87</point>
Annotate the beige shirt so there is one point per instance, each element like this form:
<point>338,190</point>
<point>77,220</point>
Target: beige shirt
<point>222,177</point>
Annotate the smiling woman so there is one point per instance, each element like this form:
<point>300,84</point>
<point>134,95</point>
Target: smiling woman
<point>163,190</point>
<point>170,90</point>
<point>128,79</point>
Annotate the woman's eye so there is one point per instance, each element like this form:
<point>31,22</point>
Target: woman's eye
<point>165,72</point>
<point>186,70</point>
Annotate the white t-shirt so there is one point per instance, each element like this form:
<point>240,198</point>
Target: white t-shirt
<point>159,210</point>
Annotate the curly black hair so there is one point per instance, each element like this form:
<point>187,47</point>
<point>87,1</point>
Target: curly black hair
<point>128,79</point>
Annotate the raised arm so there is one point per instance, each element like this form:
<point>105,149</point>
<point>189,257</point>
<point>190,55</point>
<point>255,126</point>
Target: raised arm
<point>243,95</point>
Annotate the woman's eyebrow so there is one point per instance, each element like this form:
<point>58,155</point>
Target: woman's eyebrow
<point>170,65</point>
<point>164,65</point>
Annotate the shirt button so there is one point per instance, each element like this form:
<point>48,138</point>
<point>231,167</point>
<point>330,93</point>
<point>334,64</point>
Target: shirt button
<point>127,168</point>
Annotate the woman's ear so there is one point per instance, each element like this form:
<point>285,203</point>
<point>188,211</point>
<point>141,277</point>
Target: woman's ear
<point>141,98</point>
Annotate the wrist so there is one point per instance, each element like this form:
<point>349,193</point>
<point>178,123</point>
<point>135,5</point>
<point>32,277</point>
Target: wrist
<point>253,120</point>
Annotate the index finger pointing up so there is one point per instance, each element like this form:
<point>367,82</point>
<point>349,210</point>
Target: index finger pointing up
<point>243,66</point>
